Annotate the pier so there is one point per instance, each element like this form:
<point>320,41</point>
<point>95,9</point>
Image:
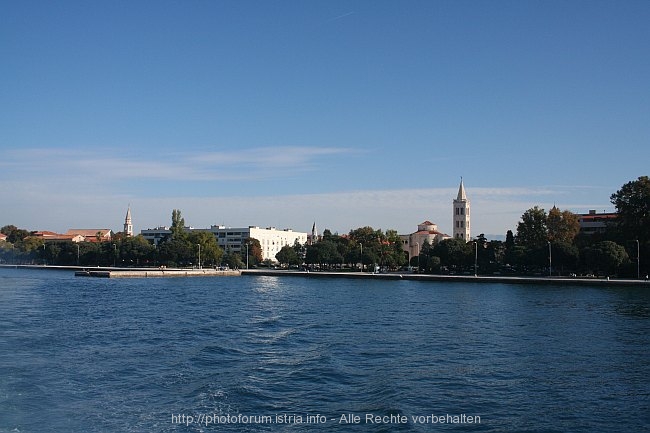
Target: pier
<point>155,273</point>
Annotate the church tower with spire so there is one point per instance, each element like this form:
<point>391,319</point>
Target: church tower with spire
<point>128,225</point>
<point>461,214</point>
<point>314,235</point>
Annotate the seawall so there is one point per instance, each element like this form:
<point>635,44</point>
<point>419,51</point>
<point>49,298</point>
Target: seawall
<point>115,272</point>
<point>604,282</point>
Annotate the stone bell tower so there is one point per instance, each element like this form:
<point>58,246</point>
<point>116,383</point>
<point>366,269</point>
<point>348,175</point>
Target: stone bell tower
<point>461,214</point>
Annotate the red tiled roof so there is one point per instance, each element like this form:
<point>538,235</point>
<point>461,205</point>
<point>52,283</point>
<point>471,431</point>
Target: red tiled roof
<point>89,232</point>
<point>45,233</point>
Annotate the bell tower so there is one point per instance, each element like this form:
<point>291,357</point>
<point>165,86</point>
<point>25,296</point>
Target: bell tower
<point>128,225</point>
<point>461,214</point>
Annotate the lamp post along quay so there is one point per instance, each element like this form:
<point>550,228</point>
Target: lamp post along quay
<point>638,261</point>
<point>361,245</point>
<point>550,261</point>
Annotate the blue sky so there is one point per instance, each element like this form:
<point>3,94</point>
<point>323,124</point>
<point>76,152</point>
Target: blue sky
<point>345,113</point>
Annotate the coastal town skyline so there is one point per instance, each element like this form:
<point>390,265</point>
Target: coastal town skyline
<point>460,214</point>
<point>344,114</point>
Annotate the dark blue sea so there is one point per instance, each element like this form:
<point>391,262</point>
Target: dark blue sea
<point>314,354</point>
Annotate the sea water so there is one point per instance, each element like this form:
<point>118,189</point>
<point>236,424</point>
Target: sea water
<point>266,353</point>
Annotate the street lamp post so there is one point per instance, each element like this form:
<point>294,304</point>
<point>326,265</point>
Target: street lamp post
<point>417,247</point>
<point>475,259</point>
<point>77,254</point>
<point>550,262</point>
<point>246,255</point>
<point>638,261</point>
<point>199,245</point>
<point>114,254</point>
<point>361,245</point>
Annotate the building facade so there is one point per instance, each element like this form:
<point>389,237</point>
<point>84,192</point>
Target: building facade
<point>271,239</point>
<point>594,222</point>
<point>462,215</point>
<point>158,234</point>
<point>427,233</point>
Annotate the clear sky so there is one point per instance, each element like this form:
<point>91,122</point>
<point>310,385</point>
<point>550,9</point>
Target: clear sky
<point>343,113</point>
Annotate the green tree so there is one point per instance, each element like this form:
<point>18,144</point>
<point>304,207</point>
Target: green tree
<point>327,235</point>
<point>454,253</point>
<point>632,203</point>
<point>8,229</point>
<point>134,251</point>
<point>524,258</point>
<point>29,244</point>
<point>393,256</point>
<point>83,253</point>
<point>323,253</point>
<point>605,257</point>
<point>176,251</point>
<point>378,248</point>
<point>495,255</point>
<point>427,262</point>
<point>565,257</point>
<point>510,240</point>
<point>299,249</point>
<point>13,233</point>
<point>178,224</point>
<point>420,260</point>
<point>509,249</point>
<point>288,256</point>
<point>233,260</point>
<point>211,253</point>
<point>532,231</point>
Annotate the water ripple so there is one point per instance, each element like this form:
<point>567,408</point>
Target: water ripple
<point>86,355</point>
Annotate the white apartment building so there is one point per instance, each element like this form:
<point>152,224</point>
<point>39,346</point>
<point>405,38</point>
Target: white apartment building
<point>232,240</point>
<point>271,239</point>
<point>158,234</point>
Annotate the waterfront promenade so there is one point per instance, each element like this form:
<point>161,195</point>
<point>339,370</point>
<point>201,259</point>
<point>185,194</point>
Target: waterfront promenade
<point>115,272</point>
